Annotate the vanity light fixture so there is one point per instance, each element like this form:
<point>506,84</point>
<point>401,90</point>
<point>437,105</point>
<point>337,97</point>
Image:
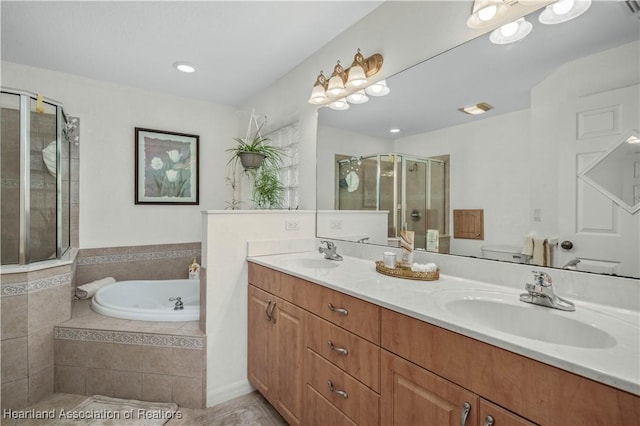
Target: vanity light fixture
<point>476,109</point>
<point>379,88</point>
<point>184,67</point>
<point>563,11</point>
<point>486,12</point>
<point>346,85</point>
<point>511,32</point>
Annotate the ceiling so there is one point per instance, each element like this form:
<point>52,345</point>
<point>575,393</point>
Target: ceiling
<point>239,48</point>
<point>427,96</point>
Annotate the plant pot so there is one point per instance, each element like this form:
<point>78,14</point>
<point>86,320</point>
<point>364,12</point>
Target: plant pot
<point>251,160</point>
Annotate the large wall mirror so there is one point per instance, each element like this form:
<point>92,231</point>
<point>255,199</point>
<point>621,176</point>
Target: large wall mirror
<point>536,169</point>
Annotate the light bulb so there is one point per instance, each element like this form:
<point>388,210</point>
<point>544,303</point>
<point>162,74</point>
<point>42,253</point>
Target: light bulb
<point>378,89</point>
<point>358,97</point>
<point>487,13</point>
<point>339,105</point>
<point>357,77</point>
<point>509,29</point>
<point>562,7</point>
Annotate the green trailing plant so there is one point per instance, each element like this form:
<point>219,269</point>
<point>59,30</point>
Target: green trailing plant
<point>259,145</point>
<point>267,189</point>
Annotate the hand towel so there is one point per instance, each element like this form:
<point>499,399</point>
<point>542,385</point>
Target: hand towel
<point>541,252</point>
<point>527,245</point>
<point>406,244</point>
<point>88,290</point>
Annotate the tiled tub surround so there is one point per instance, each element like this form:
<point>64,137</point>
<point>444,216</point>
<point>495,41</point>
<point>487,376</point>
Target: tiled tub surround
<point>151,361</point>
<point>615,366</point>
<point>151,262</point>
<point>32,302</point>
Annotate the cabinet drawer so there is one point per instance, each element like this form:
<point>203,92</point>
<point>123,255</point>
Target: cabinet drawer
<point>355,355</point>
<point>264,278</point>
<point>350,396</point>
<point>494,415</point>
<point>355,315</point>
<point>319,411</point>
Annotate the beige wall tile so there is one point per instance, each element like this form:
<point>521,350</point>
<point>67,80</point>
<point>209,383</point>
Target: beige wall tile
<point>157,387</point>
<point>99,382</point>
<point>48,307</point>
<point>188,362</point>
<point>13,316</point>
<point>70,379</point>
<point>99,354</point>
<point>15,394</point>
<point>14,359</point>
<point>187,392</point>
<point>157,359</point>
<point>40,350</point>
<point>40,384</point>
<point>127,384</point>
<point>70,352</point>
<point>127,357</point>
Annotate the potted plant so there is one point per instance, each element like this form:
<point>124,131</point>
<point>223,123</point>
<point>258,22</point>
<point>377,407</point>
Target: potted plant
<point>267,189</point>
<point>253,153</point>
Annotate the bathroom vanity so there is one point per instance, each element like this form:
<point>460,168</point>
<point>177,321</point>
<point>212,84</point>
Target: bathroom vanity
<point>335,343</point>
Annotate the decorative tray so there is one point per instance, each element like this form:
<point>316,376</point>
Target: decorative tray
<point>404,271</point>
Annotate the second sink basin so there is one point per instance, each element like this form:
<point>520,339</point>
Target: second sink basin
<point>528,321</point>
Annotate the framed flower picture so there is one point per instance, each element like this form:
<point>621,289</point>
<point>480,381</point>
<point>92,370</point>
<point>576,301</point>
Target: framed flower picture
<point>166,167</point>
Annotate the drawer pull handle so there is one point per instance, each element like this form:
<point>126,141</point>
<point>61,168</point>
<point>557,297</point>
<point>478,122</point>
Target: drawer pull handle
<point>337,310</point>
<point>341,351</point>
<point>267,311</point>
<point>489,421</point>
<point>273,308</point>
<point>466,407</point>
<point>339,392</point>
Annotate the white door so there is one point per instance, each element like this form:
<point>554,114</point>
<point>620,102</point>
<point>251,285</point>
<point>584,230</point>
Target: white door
<point>605,237</point>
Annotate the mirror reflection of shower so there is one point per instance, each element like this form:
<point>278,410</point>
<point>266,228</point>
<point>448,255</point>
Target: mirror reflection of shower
<point>413,190</point>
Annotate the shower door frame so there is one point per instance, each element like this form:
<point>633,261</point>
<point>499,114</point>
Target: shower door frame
<point>24,251</point>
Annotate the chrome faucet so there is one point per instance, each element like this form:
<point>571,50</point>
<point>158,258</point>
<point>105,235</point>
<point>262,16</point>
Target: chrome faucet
<point>179,305</point>
<point>329,251</point>
<point>541,293</point>
<point>572,264</point>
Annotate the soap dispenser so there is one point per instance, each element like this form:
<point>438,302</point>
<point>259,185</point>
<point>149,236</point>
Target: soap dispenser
<point>194,270</point>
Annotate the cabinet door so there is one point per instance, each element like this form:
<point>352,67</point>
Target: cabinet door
<point>259,340</point>
<point>411,395</point>
<point>289,346</point>
<point>494,415</point>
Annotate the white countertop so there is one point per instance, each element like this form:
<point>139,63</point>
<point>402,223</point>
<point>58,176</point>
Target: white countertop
<point>617,365</point>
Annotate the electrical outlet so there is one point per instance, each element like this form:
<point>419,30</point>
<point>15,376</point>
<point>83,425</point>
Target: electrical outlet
<point>335,224</point>
<point>291,225</point>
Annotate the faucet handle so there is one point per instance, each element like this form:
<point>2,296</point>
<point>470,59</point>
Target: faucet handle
<point>329,244</point>
<point>542,278</point>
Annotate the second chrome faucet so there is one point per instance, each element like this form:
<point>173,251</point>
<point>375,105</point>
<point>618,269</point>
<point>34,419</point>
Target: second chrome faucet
<point>540,292</point>
<point>329,251</point>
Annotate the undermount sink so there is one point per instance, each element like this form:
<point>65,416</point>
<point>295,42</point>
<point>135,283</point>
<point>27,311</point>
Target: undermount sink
<point>312,263</point>
<point>528,321</point>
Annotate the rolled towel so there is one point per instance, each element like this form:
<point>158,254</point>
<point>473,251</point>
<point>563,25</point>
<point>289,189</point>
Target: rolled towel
<point>88,290</point>
<point>527,245</point>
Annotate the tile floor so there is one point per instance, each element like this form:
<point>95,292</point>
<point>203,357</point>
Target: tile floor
<point>247,410</point>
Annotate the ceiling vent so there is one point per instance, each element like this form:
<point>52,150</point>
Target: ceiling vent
<point>634,6</point>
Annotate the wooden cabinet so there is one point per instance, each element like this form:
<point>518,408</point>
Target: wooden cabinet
<point>276,350</point>
<point>322,357</point>
<point>411,395</point>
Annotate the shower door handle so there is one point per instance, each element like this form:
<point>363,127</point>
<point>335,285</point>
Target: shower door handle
<point>415,215</point>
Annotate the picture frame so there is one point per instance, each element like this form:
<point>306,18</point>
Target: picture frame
<point>166,167</point>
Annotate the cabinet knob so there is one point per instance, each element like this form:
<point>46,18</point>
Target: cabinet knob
<point>339,392</point>
<point>337,310</point>
<point>341,351</point>
<point>489,421</point>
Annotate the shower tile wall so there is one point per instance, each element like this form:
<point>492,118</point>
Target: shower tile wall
<point>32,303</point>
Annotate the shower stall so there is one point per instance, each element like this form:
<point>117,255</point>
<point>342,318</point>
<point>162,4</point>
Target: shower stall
<point>35,182</point>
<point>412,189</point>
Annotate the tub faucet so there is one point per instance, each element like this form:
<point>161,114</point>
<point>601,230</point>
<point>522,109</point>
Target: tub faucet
<point>363,240</point>
<point>329,251</point>
<point>541,293</point>
<point>179,305</point>
<point>572,264</point>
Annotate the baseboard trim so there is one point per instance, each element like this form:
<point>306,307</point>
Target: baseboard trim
<point>224,394</point>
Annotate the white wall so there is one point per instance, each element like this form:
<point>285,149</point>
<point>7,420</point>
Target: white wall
<point>338,141</point>
<point>352,225</point>
<point>108,115</point>
<point>224,250</point>
<point>482,154</point>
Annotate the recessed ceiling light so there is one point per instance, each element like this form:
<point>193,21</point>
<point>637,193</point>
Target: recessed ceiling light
<point>184,67</point>
<point>394,131</point>
<point>476,109</point>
